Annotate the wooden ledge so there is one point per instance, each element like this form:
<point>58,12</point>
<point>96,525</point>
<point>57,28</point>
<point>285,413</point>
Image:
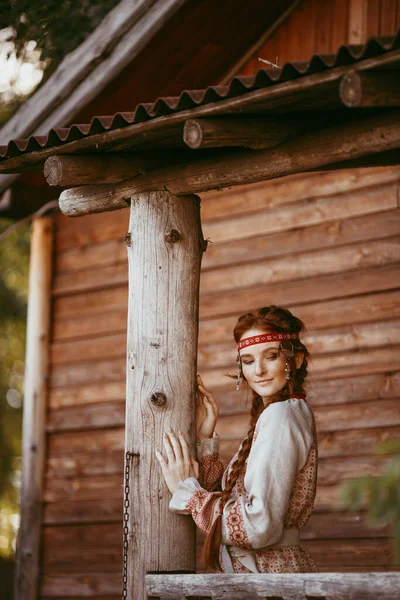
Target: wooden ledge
<point>297,586</point>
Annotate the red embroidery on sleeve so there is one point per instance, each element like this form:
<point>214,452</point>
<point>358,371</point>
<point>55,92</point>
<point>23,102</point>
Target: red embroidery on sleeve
<point>205,507</point>
<point>235,524</point>
<point>211,470</point>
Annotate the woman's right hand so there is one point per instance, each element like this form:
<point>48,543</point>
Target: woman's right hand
<point>206,411</point>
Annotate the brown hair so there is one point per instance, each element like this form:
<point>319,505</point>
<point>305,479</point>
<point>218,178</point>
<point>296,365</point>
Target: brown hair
<point>268,319</point>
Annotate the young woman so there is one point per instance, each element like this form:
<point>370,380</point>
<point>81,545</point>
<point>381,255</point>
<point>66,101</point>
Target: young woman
<point>253,510</point>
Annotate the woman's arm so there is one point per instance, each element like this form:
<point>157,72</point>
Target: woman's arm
<point>211,467</point>
<point>256,518</point>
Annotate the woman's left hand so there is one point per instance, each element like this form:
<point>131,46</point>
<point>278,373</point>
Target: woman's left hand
<point>180,463</point>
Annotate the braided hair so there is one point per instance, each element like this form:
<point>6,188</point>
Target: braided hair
<point>269,319</point>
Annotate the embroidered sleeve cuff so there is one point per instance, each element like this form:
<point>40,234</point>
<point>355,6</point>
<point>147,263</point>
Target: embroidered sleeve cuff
<point>207,446</point>
<point>182,495</point>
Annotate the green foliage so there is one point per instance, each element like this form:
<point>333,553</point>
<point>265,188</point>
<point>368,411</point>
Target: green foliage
<point>378,495</point>
<point>57,27</point>
<point>14,271</point>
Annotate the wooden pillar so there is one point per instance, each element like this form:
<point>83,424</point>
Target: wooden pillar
<point>165,246</point>
<point>33,427</point>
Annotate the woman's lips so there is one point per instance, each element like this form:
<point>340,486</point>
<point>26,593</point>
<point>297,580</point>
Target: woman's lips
<point>263,381</point>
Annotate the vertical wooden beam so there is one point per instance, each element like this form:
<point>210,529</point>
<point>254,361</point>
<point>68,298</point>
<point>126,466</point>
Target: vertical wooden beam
<point>357,25</point>
<point>33,427</point>
<point>165,246</point>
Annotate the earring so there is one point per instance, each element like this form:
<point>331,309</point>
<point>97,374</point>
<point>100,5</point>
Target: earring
<point>287,370</point>
<point>239,373</point>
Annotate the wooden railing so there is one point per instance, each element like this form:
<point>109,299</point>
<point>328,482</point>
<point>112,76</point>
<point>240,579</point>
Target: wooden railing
<point>308,586</point>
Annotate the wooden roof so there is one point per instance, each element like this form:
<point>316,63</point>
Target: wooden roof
<point>294,87</point>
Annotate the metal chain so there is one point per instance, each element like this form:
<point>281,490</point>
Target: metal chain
<point>126,529</point>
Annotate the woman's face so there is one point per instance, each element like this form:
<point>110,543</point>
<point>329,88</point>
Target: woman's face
<point>263,366</point>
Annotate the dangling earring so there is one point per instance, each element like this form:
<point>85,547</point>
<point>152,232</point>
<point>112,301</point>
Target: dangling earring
<point>239,373</point>
<point>287,370</point>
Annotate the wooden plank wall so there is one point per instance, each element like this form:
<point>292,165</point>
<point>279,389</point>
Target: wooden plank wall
<point>317,26</point>
<point>326,246</point>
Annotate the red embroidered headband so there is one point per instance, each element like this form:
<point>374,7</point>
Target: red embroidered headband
<point>266,337</point>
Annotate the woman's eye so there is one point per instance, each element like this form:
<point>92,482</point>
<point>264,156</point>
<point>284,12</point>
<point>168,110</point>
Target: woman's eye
<point>272,357</point>
<point>247,362</point>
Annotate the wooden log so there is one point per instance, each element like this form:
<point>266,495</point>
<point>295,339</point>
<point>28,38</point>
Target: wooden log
<point>64,489</point>
<point>361,415</point>
<point>87,417</point>
<point>82,464</point>
<point>317,149</point>
<point>235,201</point>
<point>370,89</point>
<point>86,585</point>
<point>89,394</point>
<point>346,224</point>
<point>81,310</point>
<point>164,272</point>
<point>250,131</point>
<point>319,342</point>
<point>101,510</point>
<point>366,308</point>
<point>317,89</point>
<point>102,168</point>
<point>364,254</point>
<point>277,585</point>
<point>34,413</point>
<point>265,195</point>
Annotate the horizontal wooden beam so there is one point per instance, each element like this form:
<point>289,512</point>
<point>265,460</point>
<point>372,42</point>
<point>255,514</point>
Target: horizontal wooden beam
<point>250,131</point>
<point>370,89</point>
<point>311,151</point>
<point>78,169</point>
<point>278,585</point>
<point>310,91</point>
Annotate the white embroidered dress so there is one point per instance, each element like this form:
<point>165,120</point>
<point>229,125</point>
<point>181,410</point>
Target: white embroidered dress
<point>273,496</point>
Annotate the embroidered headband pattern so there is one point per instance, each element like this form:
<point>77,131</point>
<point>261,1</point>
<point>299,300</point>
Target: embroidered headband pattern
<point>266,337</point>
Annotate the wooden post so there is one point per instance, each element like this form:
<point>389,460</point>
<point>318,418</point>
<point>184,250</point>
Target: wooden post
<point>165,245</point>
<point>33,428</point>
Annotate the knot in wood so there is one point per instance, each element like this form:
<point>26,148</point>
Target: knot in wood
<point>159,399</point>
<point>127,239</point>
<point>173,236</point>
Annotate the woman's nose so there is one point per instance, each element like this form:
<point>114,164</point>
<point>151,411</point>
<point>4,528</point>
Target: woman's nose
<point>260,368</point>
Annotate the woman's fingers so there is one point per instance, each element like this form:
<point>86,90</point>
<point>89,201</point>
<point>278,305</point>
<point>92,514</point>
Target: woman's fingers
<point>169,449</point>
<point>185,449</point>
<point>175,444</point>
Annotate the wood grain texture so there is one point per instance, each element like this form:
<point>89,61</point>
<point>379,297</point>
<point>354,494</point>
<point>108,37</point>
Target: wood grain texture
<point>34,412</point>
<point>275,585</point>
<point>164,259</point>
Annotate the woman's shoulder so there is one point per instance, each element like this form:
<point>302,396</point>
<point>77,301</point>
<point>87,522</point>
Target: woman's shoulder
<point>292,409</point>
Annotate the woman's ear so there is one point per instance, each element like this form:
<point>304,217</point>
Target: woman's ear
<point>299,357</point>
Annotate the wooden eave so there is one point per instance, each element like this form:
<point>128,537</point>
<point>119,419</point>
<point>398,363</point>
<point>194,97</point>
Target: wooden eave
<point>317,92</point>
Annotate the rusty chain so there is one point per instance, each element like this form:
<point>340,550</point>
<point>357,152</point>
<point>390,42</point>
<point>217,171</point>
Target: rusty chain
<point>126,528</point>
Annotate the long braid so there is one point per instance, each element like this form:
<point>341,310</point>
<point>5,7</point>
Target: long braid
<point>213,540</point>
<point>270,318</point>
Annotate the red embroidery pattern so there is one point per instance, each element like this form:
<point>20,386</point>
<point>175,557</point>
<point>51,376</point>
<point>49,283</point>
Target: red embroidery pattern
<point>211,470</point>
<point>304,490</point>
<point>238,567</point>
<point>235,524</point>
<point>266,337</point>
<point>205,507</point>
<point>285,559</point>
